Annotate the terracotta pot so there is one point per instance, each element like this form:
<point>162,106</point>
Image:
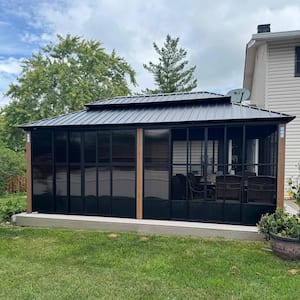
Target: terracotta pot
<point>286,248</point>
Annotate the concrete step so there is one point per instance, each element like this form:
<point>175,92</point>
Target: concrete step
<point>178,228</point>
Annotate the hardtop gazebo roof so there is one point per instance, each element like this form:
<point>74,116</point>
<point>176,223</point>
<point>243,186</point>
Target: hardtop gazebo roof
<point>158,109</point>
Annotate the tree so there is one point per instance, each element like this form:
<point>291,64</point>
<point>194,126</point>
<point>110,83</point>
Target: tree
<point>61,78</point>
<point>170,74</point>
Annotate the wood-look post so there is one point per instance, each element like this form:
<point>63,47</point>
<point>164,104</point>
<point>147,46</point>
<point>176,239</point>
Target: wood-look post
<point>28,172</point>
<point>139,174</point>
<point>281,165</point>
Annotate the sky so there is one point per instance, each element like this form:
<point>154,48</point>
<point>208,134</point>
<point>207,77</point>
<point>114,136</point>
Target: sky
<point>214,33</point>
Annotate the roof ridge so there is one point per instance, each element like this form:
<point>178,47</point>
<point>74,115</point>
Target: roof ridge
<point>160,94</point>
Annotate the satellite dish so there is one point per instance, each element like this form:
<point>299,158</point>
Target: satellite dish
<point>238,95</point>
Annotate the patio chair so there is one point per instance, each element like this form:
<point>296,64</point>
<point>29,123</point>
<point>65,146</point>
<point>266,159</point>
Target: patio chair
<point>196,191</point>
<point>262,189</point>
<point>228,187</point>
<point>179,187</point>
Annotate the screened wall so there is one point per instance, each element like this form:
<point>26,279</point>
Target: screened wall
<point>219,174</point>
<point>84,172</point>
<point>213,173</point>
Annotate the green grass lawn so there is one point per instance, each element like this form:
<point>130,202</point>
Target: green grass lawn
<point>75,264</point>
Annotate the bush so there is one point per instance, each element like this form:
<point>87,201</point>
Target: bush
<point>279,223</point>
<point>11,206</point>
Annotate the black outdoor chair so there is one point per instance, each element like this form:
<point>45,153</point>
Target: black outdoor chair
<point>196,192</point>
<point>228,187</point>
<point>179,187</point>
<point>262,189</point>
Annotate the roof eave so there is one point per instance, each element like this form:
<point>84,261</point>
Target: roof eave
<point>278,120</point>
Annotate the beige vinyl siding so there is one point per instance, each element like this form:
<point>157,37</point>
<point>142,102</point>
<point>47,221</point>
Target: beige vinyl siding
<point>259,77</point>
<point>283,95</point>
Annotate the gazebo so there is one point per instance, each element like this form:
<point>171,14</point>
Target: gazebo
<point>181,156</point>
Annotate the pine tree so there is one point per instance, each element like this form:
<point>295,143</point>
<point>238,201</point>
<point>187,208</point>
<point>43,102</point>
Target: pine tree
<point>170,74</point>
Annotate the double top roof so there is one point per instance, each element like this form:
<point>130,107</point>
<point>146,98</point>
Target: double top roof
<point>174,108</point>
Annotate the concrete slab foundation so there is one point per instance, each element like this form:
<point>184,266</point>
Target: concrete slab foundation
<point>178,228</point>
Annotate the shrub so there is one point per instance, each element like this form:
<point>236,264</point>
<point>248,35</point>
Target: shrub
<point>10,207</point>
<point>280,223</point>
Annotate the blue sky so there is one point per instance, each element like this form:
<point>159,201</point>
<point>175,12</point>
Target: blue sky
<point>214,33</point>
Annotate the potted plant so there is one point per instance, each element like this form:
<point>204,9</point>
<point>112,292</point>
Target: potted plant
<point>283,230</point>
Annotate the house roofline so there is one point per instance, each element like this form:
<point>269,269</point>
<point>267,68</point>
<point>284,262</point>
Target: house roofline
<point>251,48</point>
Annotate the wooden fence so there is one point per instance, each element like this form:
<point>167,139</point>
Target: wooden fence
<point>15,184</point>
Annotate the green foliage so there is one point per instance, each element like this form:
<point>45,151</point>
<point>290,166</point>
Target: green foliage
<point>10,205</point>
<point>60,79</point>
<point>12,164</point>
<point>280,223</point>
<point>170,74</point>
<point>294,189</point>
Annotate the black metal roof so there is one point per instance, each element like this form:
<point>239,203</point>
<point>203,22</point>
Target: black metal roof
<point>174,112</point>
<point>158,99</point>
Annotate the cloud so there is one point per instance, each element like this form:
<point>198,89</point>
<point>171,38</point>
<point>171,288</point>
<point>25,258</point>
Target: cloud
<point>10,68</point>
<point>215,33</point>
<point>10,65</point>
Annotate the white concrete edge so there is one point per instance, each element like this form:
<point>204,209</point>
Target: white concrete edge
<point>177,228</point>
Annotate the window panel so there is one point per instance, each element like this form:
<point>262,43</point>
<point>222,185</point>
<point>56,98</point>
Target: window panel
<point>123,182</point>
<point>104,181</point>
<point>215,151</point>
<point>156,146</point>
<point>90,181</point>
<point>234,149</point>
<point>60,147</point>
<point>179,146</point>
<point>123,146</point>
<point>90,147</point>
<point>75,181</point>
<point>61,181</point>
<point>196,152</point>
<point>178,184</point>
<point>41,146</point>
<point>75,147</point>
<point>42,179</point>
<point>156,183</point>
<point>261,149</point>
<point>103,146</point>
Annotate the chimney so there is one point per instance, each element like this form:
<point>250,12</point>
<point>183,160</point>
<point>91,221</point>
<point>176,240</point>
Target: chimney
<point>263,28</point>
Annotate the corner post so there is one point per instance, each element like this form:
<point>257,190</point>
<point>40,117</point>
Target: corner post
<point>28,172</point>
<point>281,165</point>
<point>139,174</point>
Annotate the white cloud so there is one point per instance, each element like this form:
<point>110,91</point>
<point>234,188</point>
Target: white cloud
<point>215,33</point>
<point>10,65</point>
<point>10,68</point>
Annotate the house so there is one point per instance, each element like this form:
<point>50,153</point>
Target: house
<point>182,156</point>
<point>272,75</point>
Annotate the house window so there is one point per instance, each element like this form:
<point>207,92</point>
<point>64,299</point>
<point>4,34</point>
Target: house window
<point>297,61</point>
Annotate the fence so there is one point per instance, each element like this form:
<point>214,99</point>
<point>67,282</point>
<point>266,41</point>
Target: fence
<point>15,184</point>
